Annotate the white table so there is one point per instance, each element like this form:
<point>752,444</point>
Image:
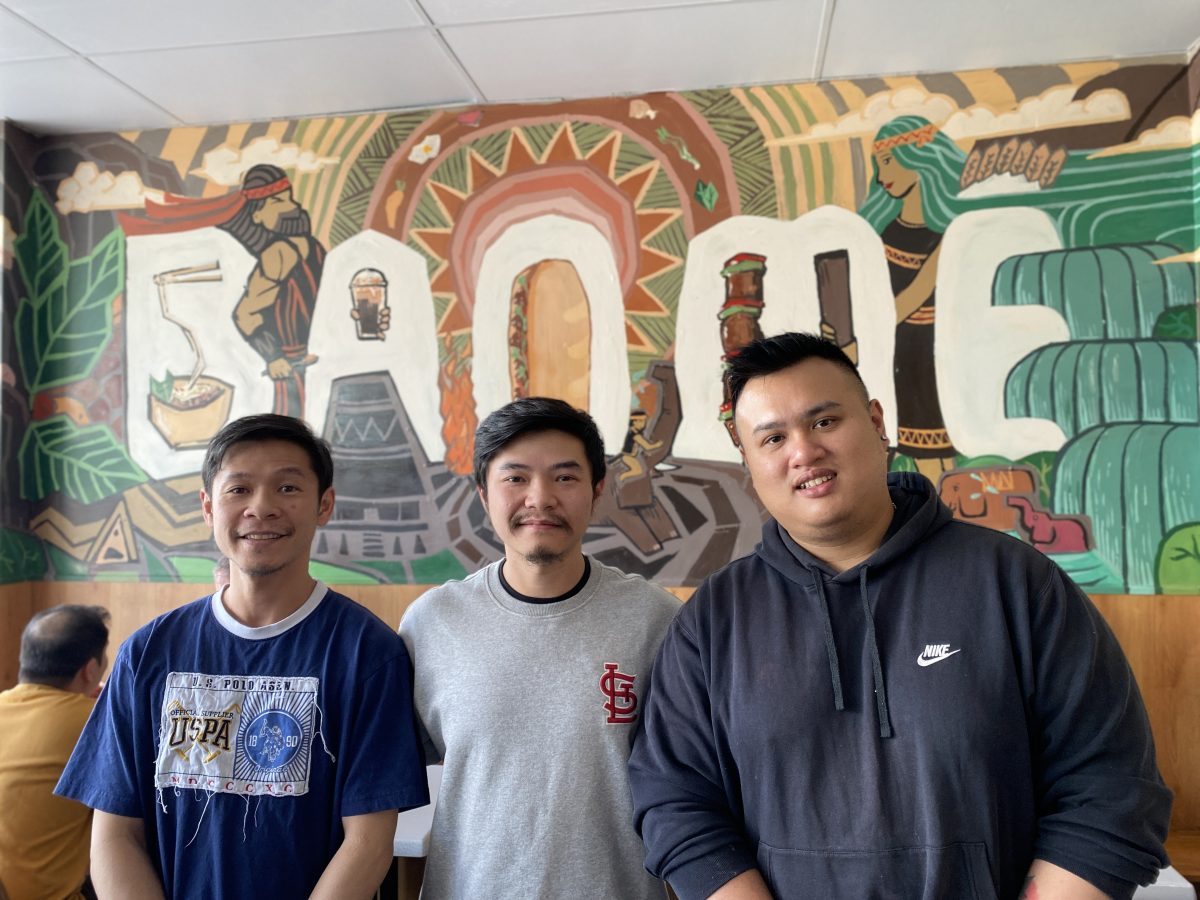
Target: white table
<point>413,827</point>
<point>1170,886</point>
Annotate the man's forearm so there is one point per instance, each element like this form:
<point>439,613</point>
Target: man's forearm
<point>1047,881</point>
<point>360,864</point>
<point>120,866</point>
<point>747,886</point>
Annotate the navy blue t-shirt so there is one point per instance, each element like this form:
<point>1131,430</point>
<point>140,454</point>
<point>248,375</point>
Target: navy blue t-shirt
<point>242,748</point>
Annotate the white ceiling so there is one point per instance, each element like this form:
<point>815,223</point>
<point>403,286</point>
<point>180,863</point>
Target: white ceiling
<point>72,66</point>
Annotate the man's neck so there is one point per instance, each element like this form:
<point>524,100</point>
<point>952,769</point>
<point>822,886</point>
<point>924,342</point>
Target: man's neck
<point>845,553</point>
<point>543,580</point>
<point>255,601</point>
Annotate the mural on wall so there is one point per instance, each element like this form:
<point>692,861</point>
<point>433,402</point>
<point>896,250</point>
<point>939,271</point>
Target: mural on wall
<point>1011,256</point>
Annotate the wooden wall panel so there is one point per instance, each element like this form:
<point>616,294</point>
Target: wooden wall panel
<point>16,606</point>
<point>1161,638</point>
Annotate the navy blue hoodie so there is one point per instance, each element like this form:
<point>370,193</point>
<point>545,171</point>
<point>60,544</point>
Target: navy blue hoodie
<point>923,725</point>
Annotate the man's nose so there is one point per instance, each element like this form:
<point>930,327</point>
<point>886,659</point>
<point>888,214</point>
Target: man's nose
<point>805,450</point>
<point>263,504</point>
<point>540,494</point>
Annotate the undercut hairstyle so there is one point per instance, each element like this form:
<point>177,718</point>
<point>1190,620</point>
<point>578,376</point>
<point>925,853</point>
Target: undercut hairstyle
<point>268,427</point>
<point>250,234</point>
<point>530,415</point>
<point>60,641</point>
<point>769,355</point>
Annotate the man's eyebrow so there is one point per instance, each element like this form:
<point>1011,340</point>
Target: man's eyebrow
<point>524,467</point>
<point>285,470</point>
<point>811,412</point>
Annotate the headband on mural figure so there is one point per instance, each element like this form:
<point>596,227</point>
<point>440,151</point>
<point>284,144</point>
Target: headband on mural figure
<point>919,136</point>
<point>178,213</point>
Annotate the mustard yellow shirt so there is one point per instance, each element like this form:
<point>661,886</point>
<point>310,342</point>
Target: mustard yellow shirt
<point>44,839</point>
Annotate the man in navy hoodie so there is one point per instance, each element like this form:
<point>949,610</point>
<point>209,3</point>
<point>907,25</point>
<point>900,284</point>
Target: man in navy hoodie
<point>881,701</point>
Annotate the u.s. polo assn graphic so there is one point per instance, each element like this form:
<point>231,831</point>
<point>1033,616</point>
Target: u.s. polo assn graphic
<point>236,734</point>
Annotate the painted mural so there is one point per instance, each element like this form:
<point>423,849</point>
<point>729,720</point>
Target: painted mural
<point>1011,256</point>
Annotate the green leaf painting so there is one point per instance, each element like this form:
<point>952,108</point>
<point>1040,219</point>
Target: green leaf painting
<point>84,463</point>
<point>1178,568</point>
<point>21,556</point>
<point>65,321</point>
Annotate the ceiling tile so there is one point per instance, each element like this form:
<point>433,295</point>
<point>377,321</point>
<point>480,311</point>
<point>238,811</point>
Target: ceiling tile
<point>19,40</point>
<point>286,79</point>
<point>122,25</point>
<point>871,37</point>
<point>461,12</point>
<point>639,52</point>
<point>69,95</point>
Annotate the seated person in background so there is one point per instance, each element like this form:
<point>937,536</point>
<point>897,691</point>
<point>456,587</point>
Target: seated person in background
<point>882,701</point>
<point>528,679</point>
<point>44,839</point>
<point>259,741</point>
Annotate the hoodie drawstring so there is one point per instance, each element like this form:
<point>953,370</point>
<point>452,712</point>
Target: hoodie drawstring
<point>881,704</point>
<point>835,671</point>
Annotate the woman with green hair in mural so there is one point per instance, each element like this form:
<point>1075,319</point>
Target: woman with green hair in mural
<point>910,204</point>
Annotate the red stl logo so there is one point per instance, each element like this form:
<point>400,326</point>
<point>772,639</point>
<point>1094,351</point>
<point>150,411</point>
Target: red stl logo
<point>622,701</point>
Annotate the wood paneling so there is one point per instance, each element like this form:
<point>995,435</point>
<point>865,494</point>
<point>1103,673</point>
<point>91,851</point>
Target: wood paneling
<point>16,606</point>
<point>1161,638</point>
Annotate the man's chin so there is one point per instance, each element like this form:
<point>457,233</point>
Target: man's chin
<point>544,556</point>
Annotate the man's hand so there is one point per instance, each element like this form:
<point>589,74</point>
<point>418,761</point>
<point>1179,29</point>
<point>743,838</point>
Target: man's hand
<point>1047,881</point>
<point>279,369</point>
<point>358,867</point>
<point>121,868</point>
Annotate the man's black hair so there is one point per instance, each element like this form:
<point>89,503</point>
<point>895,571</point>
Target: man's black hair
<point>268,427</point>
<point>769,355</point>
<point>533,414</point>
<point>60,641</point>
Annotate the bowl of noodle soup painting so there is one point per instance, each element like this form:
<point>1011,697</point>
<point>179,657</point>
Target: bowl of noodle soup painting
<point>186,412</point>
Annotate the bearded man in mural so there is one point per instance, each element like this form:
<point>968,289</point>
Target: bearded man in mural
<point>275,311</point>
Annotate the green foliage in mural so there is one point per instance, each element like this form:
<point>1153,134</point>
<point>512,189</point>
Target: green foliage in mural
<point>85,463</point>
<point>745,142</point>
<point>350,212</point>
<point>1104,293</point>
<point>22,557</point>
<point>706,195</point>
<point>902,463</point>
<point>192,569</point>
<point>64,322</point>
<point>392,571</point>
<point>331,574</point>
<point>437,568</point>
<point>1177,322</point>
<point>1136,482</point>
<point>1081,384</point>
<point>67,567</point>
<point>1177,569</point>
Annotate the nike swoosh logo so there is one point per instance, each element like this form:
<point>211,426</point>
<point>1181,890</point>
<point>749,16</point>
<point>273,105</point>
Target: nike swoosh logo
<point>924,660</point>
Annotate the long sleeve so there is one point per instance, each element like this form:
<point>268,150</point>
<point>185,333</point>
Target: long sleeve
<point>1103,808</point>
<point>680,778</point>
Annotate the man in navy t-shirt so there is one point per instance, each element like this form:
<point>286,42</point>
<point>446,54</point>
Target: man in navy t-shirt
<point>257,742</point>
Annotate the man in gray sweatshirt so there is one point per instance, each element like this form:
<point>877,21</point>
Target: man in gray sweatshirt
<point>528,679</point>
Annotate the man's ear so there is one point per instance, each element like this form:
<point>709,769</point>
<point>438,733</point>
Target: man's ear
<point>206,507</point>
<point>597,490</point>
<point>325,507</point>
<point>481,490</point>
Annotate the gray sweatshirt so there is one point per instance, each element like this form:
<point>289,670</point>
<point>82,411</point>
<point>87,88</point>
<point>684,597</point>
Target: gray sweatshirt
<point>532,708</point>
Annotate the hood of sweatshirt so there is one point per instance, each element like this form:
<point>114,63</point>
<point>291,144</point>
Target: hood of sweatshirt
<point>918,514</point>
